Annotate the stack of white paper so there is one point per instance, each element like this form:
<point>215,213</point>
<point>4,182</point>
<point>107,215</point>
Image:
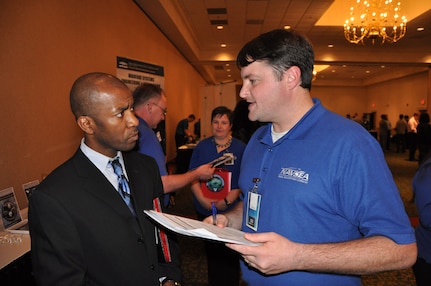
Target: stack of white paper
<point>195,228</point>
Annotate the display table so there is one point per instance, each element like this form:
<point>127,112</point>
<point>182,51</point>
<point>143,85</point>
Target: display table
<point>12,247</point>
<point>15,260</point>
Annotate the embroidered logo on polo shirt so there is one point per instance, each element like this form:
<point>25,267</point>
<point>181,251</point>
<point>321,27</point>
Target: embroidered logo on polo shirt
<point>295,174</point>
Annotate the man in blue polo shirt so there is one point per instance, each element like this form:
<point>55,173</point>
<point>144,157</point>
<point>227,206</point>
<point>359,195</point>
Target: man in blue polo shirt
<point>150,108</point>
<point>319,196</point>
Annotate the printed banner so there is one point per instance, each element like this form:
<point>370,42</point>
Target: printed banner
<point>134,73</point>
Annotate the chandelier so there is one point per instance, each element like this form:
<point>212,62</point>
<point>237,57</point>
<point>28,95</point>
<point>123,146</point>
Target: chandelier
<point>374,19</point>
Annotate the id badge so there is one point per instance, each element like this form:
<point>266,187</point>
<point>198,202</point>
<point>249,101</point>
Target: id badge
<point>253,209</point>
<point>230,162</point>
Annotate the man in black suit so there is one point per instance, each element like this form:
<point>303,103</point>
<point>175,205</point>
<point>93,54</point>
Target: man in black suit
<point>82,231</point>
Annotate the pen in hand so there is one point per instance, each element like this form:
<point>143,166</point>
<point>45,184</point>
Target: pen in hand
<point>214,211</point>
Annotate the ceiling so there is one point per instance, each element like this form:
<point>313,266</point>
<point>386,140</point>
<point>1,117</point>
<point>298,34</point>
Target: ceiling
<point>191,26</point>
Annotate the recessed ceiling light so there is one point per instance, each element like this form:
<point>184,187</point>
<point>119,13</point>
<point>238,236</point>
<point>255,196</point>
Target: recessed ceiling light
<point>223,45</point>
<point>382,66</point>
<point>420,29</point>
<point>220,27</point>
<point>367,71</point>
<point>330,46</point>
<point>287,27</point>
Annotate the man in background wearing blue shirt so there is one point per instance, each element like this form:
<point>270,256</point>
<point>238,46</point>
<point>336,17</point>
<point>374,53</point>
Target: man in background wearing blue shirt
<point>151,108</point>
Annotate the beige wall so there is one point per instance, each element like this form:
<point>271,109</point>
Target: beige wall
<point>45,45</point>
<point>342,100</point>
<point>398,96</point>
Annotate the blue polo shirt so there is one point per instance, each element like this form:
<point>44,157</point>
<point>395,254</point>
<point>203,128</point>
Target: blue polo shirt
<point>148,144</point>
<point>326,180</point>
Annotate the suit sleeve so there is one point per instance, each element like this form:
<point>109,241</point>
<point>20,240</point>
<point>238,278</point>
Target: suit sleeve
<point>56,241</point>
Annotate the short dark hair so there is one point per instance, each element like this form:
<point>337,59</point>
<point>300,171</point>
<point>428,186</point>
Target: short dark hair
<point>222,110</point>
<point>145,92</point>
<point>281,49</point>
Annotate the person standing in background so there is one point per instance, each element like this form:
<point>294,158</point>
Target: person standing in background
<point>223,263</point>
<point>182,132</point>
<point>150,108</point>
<point>384,130</point>
<point>412,135</point>
<point>389,136</point>
<point>86,218</point>
<point>406,118</point>
<point>401,130</point>
<point>197,129</point>
<point>421,184</point>
<point>320,199</point>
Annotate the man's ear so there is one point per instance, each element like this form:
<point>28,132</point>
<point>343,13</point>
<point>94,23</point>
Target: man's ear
<point>86,123</point>
<point>293,76</point>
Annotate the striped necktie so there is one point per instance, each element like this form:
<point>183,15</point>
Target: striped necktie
<point>123,185</point>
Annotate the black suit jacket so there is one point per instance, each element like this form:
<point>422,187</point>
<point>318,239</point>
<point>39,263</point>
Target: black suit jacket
<point>82,233</point>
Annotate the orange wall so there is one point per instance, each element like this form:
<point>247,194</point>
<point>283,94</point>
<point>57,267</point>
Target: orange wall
<point>45,45</point>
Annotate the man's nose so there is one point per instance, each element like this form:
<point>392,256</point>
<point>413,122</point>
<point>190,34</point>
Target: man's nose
<point>132,120</point>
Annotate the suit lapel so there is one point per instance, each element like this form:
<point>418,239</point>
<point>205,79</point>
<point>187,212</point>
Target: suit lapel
<point>145,184</point>
<point>142,180</point>
<point>95,183</point>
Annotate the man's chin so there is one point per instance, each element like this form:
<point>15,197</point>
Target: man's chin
<point>129,146</point>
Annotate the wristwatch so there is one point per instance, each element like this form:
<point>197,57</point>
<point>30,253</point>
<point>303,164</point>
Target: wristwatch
<point>227,202</point>
<point>169,282</point>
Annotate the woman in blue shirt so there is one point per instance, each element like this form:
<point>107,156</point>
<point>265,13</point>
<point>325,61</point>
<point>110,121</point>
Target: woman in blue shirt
<point>223,263</point>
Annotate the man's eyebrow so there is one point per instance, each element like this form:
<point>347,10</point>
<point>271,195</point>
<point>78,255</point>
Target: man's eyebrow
<point>247,76</point>
<point>123,108</point>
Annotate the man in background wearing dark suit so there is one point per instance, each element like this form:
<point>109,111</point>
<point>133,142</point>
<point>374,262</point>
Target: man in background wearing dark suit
<point>82,230</point>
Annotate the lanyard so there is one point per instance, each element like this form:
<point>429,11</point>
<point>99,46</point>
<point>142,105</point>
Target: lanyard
<point>255,187</point>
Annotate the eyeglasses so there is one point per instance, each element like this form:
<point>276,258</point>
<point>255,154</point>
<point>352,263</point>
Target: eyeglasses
<point>164,110</point>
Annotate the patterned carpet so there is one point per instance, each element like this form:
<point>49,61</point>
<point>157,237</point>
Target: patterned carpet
<point>193,256</point>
